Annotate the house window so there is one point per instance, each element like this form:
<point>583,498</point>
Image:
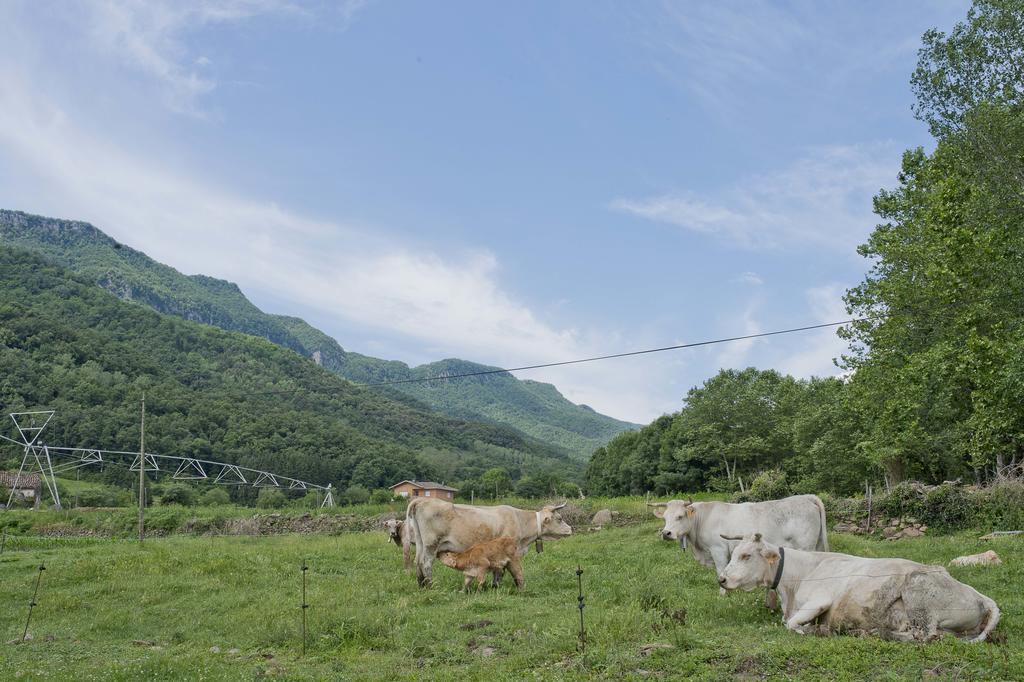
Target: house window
<point>426,493</point>
<point>449,495</point>
<point>415,493</point>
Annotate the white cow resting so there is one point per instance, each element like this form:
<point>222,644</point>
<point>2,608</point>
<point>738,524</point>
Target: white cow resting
<point>892,598</point>
<point>797,521</point>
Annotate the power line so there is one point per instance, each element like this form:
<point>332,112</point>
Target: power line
<point>595,358</point>
<point>622,355</point>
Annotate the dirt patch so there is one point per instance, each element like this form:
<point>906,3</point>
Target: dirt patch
<point>477,625</point>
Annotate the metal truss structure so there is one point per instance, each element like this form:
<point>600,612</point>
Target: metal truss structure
<point>39,458</point>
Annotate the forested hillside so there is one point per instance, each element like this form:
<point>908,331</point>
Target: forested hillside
<point>936,363</point>
<point>68,345</point>
<point>536,409</point>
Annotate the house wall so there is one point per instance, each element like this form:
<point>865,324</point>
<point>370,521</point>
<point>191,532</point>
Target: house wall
<point>410,491</point>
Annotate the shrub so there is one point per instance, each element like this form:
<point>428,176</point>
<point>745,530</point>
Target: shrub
<point>178,494</point>
<point>999,506</point>
<point>381,496</point>
<point>357,494</point>
<point>270,498</point>
<point>904,499</point>
<point>568,490</point>
<point>215,497</point>
<point>768,485</point>
<point>96,497</point>
<point>946,507</point>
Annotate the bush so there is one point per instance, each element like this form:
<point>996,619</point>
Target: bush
<point>215,497</point>
<point>768,485</point>
<point>1000,506</point>
<point>381,496</point>
<point>357,494</point>
<point>270,498</point>
<point>568,490</point>
<point>100,497</point>
<point>946,507</point>
<point>178,494</point>
<point>904,499</point>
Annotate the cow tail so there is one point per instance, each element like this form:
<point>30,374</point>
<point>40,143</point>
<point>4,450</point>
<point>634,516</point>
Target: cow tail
<point>822,526</point>
<point>993,621</point>
<point>412,524</point>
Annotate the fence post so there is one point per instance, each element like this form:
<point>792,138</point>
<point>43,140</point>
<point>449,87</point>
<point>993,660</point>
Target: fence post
<point>867,493</point>
<point>32,604</point>
<point>304,606</point>
<point>581,605</point>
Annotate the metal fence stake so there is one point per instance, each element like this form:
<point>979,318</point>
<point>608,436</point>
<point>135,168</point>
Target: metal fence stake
<point>581,605</point>
<point>304,606</point>
<point>32,604</point>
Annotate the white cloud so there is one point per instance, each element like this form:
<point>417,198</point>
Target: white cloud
<point>150,37</point>
<point>823,199</point>
<point>751,278</point>
<point>820,347</point>
<point>736,354</point>
<point>719,50</point>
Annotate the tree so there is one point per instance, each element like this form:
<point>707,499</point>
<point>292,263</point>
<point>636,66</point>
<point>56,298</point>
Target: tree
<point>937,355</point>
<point>495,482</point>
<point>270,498</point>
<point>214,497</point>
<point>178,494</point>
<point>357,494</point>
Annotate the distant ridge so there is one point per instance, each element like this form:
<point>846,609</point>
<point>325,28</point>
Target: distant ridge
<point>534,408</point>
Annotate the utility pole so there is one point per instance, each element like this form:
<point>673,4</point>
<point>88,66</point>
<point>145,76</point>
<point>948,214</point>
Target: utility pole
<point>142,471</point>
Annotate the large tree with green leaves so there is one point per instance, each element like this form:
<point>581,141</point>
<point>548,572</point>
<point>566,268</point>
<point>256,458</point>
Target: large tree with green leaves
<point>938,365</point>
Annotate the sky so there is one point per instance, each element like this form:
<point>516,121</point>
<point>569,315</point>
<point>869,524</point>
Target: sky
<point>511,184</point>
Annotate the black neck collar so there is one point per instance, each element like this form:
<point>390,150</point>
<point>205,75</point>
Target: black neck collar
<point>778,573</point>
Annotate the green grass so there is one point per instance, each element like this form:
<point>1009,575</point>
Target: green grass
<point>182,595</point>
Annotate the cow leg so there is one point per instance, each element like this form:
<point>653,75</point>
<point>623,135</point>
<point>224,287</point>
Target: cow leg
<point>465,582</point>
<point>480,579</point>
<point>771,599</point>
<point>515,567</point>
<point>425,566</point>
<point>496,575</point>
<point>807,613</point>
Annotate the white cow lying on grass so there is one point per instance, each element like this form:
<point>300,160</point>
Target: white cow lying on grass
<point>891,598</point>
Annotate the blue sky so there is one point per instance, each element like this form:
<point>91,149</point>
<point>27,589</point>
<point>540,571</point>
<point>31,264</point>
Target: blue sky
<point>510,184</point>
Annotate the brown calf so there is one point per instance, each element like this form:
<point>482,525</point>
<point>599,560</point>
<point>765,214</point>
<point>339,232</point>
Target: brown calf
<point>494,557</point>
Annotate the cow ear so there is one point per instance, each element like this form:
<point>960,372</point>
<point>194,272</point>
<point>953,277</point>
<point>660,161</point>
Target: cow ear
<point>691,512</point>
<point>659,512</point>
<point>770,555</point>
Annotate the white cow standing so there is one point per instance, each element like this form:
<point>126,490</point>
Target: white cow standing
<point>797,521</point>
<point>894,598</point>
<point>437,526</point>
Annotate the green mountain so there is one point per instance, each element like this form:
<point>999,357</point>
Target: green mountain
<point>534,408</point>
<point>69,345</point>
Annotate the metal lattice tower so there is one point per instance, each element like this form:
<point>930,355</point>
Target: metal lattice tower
<point>40,457</point>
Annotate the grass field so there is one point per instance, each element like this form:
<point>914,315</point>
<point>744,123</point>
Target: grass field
<point>112,610</point>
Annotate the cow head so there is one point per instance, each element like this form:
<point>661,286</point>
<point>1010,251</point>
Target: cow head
<point>551,523</point>
<point>753,564</point>
<point>394,529</point>
<point>448,559</point>
<point>679,516</point>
